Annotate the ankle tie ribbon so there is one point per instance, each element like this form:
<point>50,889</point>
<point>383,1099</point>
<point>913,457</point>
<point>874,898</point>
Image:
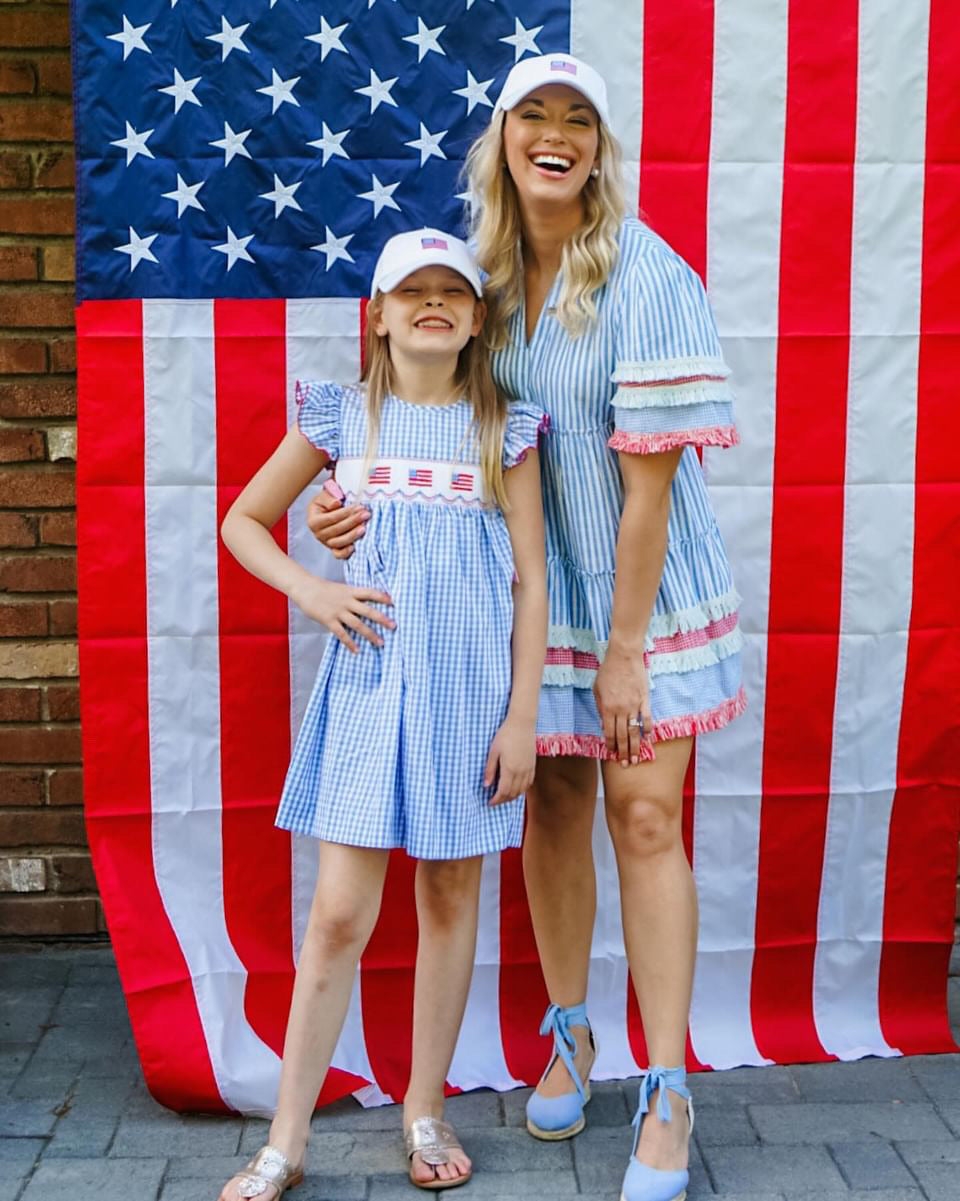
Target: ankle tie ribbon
<point>659,1077</point>
<point>557,1021</point>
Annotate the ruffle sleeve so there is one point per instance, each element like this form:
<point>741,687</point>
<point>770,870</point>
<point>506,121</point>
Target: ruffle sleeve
<point>525,423</point>
<point>672,382</point>
<point>318,414</point>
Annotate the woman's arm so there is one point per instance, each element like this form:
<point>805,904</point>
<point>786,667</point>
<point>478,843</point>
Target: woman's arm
<point>621,687</point>
<point>514,747</point>
<point>246,531</point>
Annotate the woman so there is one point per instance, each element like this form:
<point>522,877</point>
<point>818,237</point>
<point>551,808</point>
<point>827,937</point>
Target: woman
<point>600,322</point>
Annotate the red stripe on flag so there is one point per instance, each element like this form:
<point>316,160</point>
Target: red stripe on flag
<point>250,355</point>
<point>922,853</point>
<point>386,979</point>
<point>523,993</point>
<point>674,176</point>
<point>807,525</point>
<point>113,657</point>
<point>677,109</point>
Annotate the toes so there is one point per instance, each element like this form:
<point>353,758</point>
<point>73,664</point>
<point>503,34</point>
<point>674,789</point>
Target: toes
<point>422,1171</point>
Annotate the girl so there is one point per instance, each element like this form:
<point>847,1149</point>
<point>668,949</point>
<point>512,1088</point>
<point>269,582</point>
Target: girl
<point>601,322</point>
<point>420,732</point>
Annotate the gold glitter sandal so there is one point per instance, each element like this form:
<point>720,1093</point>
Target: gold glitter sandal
<point>268,1167</point>
<point>433,1139</point>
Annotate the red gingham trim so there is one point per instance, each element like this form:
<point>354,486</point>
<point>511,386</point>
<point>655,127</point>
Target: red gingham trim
<point>683,640</point>
<point>647,444</point>
<point>672,382</point>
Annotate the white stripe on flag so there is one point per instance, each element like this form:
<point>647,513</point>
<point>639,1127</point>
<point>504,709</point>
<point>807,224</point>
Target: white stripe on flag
<point>609,980</point>
<point>323,342</point>
<point>743,263</point>
<point>878,523</point>
<point>619,59</point>
<point>478,1061</point>
<point>180,435</point>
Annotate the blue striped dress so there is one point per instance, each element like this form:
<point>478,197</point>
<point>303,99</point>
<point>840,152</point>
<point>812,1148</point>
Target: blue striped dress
<point>648,376</point>
<point>394,740</point>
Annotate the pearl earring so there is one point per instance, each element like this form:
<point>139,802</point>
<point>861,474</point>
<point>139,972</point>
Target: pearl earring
<point>594,172</point>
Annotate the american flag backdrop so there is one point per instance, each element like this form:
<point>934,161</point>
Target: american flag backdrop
<point>240,162</point>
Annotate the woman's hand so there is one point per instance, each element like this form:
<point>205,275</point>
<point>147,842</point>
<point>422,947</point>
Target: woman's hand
<point>335,526</point>
<point>340,607</point>
<point>622,692</point>
<point>512,759</point>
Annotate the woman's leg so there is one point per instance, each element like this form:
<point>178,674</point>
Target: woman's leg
<point>562,890</point>
<point>344,910</point>
<point>659,904</point>
<point>447,892</point>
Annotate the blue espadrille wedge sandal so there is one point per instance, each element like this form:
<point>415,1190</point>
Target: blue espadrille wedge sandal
<point>561,1117</point>
<point>642,1183</point>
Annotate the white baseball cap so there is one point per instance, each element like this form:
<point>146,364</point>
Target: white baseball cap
<point>405,253</point>
<point>532,73</point>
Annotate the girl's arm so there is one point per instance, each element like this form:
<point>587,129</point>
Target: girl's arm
<point>514,747</point>
<point>621,687</point>
<point>246,531</point>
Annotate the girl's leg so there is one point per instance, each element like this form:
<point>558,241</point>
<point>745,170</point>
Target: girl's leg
<point>447,893</point>
<point>659,905</point>
<point>345,907</point>
<point>562,890</point>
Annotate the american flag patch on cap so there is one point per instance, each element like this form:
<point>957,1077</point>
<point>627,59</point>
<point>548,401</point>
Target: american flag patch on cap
<point>433,244</point>
<point>558,64</point>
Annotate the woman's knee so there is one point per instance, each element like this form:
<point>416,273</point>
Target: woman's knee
<point>339,926</point>
<point>643,824</point>
<point>564,792</point>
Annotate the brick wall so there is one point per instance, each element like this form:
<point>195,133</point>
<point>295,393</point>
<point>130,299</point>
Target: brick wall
<point>46,885</point>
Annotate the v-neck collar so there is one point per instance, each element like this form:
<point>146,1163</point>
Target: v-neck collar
<point>544,311</point>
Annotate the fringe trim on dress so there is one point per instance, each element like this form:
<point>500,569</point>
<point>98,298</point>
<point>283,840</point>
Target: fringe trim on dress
<point>652,444</point>
<point>665,370</point>
<point>591,746</point>
<point>695,391</point>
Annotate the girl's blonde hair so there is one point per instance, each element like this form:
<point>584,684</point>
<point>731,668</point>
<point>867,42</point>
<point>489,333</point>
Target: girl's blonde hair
<point>497,232</point>
<point>473,379</point>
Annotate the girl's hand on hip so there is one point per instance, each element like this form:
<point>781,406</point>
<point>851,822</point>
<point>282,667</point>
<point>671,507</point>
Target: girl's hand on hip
<point>335,526</point>
<point>511,761</point>
<point>340,608</point>
<point>622,693</point>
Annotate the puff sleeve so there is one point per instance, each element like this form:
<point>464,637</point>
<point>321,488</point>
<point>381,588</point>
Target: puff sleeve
<point>318,414</point>
<point>525,423</point>
<point>671,381</point>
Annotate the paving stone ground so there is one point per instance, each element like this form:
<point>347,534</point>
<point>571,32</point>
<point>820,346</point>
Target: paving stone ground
<point>77,1124</point>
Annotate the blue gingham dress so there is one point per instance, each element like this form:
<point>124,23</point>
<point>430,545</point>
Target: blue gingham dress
<point>648,376</point>
<point>394,740</point>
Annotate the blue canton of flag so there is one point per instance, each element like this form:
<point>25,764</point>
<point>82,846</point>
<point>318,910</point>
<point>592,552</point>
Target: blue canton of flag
<point>268,148</point>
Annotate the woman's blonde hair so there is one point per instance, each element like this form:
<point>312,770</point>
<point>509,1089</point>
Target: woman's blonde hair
<point>473,380</point>
<point>497,232</point>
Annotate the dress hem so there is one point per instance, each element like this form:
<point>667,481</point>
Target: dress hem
<point>593,746</point>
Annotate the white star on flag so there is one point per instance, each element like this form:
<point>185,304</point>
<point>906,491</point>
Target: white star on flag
<point>232,144</point>
<point>330,143</point>
<point>425,39</point>
<point>230,37</point>
<point>134,143</point>
<point>378,90</point>
<point>428,143</point>
<point>185,194</point>
<point>182,91</point>
<point>280,90</point>
<point>466,197</point>
<point>138,248</point>
<point>131,37</point>
<point>522,39</point>
<point>380,195</point>
<point>334,248</point>
<point>282,195</point>
<point>328,38</point>
<point>235,248</point>
<point>474,93</point>
<point>470,3</point>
